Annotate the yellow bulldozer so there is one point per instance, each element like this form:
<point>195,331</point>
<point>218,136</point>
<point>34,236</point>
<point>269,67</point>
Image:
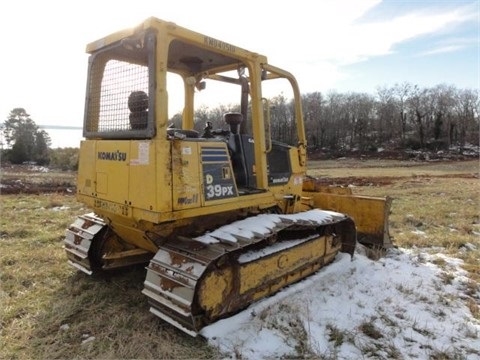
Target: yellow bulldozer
<point>224,214</point>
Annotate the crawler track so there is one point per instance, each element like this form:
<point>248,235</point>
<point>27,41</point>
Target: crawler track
<point>192,282</point>
<point>195,281</point>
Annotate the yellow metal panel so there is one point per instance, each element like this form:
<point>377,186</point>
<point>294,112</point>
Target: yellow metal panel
<point>86,168</point>
<point>164,175</point>
<point>262,271</point>
<point>213,290</point>
<point>369,213</point>
<point>240,284</point>
<point>186,175</point>
<point>102,183</point>
<point>129,232</point>
<point>112,158</point>
<point>142,175</point>
<point>293,188</point>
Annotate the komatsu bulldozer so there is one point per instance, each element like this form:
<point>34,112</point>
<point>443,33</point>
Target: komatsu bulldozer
<point>221,212</point>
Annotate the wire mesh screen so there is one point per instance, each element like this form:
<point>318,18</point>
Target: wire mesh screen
<point>119,102</point>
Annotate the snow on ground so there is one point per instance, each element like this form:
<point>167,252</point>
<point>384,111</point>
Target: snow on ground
<point>409,304</point>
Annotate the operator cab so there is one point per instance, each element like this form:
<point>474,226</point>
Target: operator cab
<point>198,88</point>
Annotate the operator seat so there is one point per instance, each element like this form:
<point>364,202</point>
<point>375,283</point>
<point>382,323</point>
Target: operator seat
<point>138,106</point>
<point>235,147</point>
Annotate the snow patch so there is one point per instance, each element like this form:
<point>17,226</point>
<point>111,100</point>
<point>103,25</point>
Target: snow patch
<point>405,299</point>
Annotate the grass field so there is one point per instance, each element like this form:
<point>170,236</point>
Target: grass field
<point>49,310</point>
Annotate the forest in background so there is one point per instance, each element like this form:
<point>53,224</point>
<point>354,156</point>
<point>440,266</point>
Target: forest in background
<point>398,118</point>
<point>403,116</point>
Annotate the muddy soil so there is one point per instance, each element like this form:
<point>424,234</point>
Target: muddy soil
<point>31,179</point>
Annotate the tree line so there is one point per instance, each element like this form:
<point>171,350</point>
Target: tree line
<point>25,142</point>
<point>400,116</point>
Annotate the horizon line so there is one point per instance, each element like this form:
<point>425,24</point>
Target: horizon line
<point>60,127</point>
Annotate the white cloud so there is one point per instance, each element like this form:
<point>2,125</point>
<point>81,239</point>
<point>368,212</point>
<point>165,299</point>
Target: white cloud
<point>349,42</point>
<point>450,45</point>
<point>44,64</point>
<point>442,50</point>
<point>352,41</point>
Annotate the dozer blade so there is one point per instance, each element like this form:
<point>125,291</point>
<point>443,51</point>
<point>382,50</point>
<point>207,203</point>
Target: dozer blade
<point>370,214</point>
<point>196,281</point>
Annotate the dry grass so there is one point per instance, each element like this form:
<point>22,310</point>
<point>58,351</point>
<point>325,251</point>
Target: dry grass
<point>49,310</point>
<point>376,168</point>
<point>437,213</point>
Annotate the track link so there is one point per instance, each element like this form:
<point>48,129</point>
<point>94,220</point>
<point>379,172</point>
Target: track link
<point>78,239</point>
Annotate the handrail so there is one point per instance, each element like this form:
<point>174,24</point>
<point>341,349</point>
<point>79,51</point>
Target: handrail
<point>266,110</point>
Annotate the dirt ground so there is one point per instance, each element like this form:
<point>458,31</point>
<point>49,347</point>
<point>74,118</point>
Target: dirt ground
<point>31,179</point>
<point>331,170</point>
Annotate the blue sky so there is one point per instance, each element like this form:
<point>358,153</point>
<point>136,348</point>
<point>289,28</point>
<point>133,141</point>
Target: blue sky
<point>342,45</point>
<point>445,51</point>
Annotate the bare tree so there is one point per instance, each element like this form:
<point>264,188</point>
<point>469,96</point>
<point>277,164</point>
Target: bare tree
<point>442,102</point>
<point>386,110</point>
<point>418,103</point>
<point>360,109</point>
<point>439,116</point>
<point>283,127</point>
<point>467,112</point>
<point>315,121</point>
<point>336,117</point>
<point>402,93</point>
